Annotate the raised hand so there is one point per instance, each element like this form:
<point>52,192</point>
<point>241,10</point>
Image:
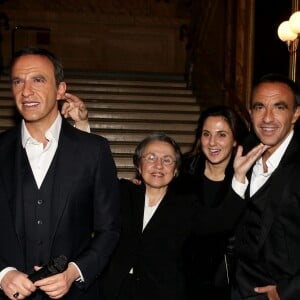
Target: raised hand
<point>75,109</point>
<point>242,164</point>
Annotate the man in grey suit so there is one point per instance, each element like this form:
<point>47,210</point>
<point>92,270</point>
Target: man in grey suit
<point>267,242</point>
<point>59,191</point>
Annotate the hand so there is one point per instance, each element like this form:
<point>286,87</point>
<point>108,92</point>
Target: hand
<point>58,285</point>
<point>15,281</point>
<point>75,109</point>
<point>269,290</point>
<point>136,181</point>
<point>242,164</point>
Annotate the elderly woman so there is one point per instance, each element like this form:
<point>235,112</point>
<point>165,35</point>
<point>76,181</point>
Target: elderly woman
<point>156,222</point>
<point>162,214</point>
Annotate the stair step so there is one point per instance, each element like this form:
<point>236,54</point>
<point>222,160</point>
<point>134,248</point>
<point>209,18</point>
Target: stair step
<point>128,148</point>
<point>7,112</point>
<point>106,109</point>
<point>146,116</point>
<point>6,102</point>
<point>125,112</point>
<point>99,125</point>
<point>119,89</point>
<point>136,137</point>
<point>135,83</point>
<point>126,173</point>
<point>129,90</point>
<point>6,94</point>
<point>144,107</point>
<point>137,112</point>
<point>113,82</point>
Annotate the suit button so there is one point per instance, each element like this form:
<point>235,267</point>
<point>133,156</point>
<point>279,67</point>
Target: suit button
<point>40,201</point>
<point>243,242</point>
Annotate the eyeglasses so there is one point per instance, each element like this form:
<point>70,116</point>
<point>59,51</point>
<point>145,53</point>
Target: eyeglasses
<point>165,160</point>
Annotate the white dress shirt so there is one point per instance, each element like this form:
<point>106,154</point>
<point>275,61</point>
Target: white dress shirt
<point>39,157</point>
<point>259,177</point>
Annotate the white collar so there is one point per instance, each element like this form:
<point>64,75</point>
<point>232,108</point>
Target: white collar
<point>275,158</point>
<point>52,133</point>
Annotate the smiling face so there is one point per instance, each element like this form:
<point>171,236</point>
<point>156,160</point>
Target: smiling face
<point>156,173</point>
<point>35,90</point>
<point>273,113</point>
<point>217,140</point>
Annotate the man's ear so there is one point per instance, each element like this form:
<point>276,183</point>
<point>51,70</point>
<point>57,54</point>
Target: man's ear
<point>61,90</point>
<point>250,111</point>
<point>296,114</point>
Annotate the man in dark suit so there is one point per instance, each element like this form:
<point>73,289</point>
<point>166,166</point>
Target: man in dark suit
<point>268,236</point>
<point>59,191</point>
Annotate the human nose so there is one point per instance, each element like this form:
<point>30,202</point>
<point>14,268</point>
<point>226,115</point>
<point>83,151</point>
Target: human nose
<point>212,140</point>
<point>27,89</point>
<point>159,163</point>
<point>268,115</point>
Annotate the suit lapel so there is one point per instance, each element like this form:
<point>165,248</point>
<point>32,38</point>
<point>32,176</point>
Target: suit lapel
<point>65,167</point>
<point>160,214</point>
<point>278,182</point>
<point>138,207</point>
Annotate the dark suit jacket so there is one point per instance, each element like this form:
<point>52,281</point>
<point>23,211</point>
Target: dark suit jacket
<point>268,236</point>
<point>156,253</point>
<point>84,211</point>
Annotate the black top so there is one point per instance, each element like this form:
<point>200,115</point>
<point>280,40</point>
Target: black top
<point>204,255</point>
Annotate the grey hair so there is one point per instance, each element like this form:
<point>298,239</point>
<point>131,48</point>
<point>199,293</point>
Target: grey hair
<point>156,136</point>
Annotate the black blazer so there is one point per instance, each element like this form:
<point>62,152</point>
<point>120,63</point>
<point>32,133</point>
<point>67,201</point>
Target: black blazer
<point>207,274</point>
<point>85,207</point>
<point>156,253</point>
<point>268,236</point>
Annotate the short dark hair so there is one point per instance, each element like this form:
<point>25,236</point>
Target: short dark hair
<point>156,136</point>
<point>57,65</point>
<point>276,77</point>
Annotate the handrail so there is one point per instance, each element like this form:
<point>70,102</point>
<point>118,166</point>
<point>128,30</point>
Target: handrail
<point>26,28</point>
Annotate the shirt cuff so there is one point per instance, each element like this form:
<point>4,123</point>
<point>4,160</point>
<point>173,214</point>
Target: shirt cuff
<point>239,188</point>
<point>87,128</point>
<point>81,278</point>
<point>4,272</point>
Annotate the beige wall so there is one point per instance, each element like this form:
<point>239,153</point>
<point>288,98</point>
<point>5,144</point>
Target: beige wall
<point>101,35</point>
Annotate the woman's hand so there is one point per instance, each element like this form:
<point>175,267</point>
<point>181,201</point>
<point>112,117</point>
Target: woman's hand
<point>75,109</point>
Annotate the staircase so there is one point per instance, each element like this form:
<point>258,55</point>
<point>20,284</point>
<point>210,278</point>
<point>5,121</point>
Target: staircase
<point>125,111</point>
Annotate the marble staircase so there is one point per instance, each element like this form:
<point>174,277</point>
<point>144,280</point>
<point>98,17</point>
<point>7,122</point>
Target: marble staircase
<point>125,111</point>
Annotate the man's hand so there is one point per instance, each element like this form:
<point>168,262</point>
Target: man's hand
<point>269,290</point>
<point>75,109</point>
<point>17,282</point>
<point>58,285</point>
<point>242,164</point>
